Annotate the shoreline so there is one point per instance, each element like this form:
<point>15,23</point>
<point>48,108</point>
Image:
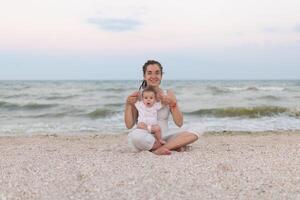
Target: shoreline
<point>234,165</point>
<point>103,135</point>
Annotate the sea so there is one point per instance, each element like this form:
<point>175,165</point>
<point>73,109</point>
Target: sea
<point>97,107</point>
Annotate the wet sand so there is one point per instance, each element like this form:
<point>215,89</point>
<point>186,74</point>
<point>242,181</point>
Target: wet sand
<point>218,166</point>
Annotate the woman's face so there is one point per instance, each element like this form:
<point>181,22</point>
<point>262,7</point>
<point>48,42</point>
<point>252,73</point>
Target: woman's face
<point>153,75</point>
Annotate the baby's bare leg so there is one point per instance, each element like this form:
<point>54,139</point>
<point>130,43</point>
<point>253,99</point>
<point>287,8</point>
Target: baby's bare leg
<point>157,135</point>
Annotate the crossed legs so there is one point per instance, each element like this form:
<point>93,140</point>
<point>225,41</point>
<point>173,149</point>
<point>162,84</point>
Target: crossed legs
<point>176,143</point>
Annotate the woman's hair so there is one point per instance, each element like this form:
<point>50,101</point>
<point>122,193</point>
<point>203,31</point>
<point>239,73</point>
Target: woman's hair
<point>149,62</point>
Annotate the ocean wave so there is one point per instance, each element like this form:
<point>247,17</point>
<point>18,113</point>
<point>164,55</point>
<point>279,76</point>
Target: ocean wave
<point>250,112</point>
<point>29,106</point>
<point>36,106</point>
<point>59,97</point>
<point>111,96</point>
<point>20,87</point>
<point>217,90</point>
<point>56,113</point>
<point>269,88</point>
<point>100,113</point>
<point>8,105</point>
<point>114,105</point>
<point>250,89</point>
<point>16,96</point>
<point>257,88</point>
<point>270,97</point>
<point>49,115</point>
<point>104,89</point>
<point>114,89</point>
<point>224,90</point>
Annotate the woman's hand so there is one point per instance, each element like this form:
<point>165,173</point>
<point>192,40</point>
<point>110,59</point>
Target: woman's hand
<point>171,101</point>
<point>167,99</point>
<point>132,99</point>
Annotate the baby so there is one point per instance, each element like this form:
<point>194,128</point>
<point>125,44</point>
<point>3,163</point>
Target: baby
<point>147,109</point>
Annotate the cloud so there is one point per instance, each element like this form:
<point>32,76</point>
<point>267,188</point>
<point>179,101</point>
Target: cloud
<point>297,28</point>
<point>116,25</point>
<point>271,29</point>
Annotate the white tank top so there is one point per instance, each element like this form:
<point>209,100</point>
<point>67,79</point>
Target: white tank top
<point>163,118</point>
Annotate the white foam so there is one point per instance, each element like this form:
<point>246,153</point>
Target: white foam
<point>278,123</point>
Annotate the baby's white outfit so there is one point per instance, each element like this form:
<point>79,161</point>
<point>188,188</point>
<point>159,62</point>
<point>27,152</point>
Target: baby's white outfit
<point>148,115</point>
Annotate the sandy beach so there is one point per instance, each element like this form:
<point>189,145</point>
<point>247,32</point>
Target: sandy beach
<point>218,166</point>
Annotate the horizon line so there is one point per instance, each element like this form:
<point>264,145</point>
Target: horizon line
<point>283,79</point>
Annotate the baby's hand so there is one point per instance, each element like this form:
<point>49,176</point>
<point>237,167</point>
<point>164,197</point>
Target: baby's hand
<point>142,125</point>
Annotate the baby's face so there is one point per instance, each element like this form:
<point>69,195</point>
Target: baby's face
<point>149,98</point>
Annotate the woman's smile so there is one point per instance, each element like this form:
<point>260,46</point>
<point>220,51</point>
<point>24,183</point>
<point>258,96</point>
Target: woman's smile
<point>154,80</point>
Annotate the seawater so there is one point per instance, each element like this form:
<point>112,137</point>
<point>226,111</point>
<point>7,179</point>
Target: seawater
<point>72,107</point>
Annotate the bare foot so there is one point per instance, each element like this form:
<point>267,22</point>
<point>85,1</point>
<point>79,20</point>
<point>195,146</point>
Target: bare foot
<point>180,149</point>
<point>162,151</point>
<point>162,142</point>
<point>156,145</point>
<point>184,148</point>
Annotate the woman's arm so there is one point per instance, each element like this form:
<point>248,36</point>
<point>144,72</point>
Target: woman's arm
<point>174,108</point>
<point>130,113</point>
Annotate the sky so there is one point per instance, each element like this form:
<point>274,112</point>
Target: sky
<point>108,40</point>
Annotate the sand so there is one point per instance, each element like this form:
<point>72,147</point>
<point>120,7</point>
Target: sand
<point>230,166</point>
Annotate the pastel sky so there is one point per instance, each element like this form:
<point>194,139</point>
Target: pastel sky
<point>193,39</point>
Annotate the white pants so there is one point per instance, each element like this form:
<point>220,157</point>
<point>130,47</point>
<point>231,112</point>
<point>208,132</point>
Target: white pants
<point>142,140</point>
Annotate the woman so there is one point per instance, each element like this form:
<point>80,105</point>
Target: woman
<point>139,138</point>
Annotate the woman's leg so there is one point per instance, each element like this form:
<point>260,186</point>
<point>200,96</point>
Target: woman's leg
<point>141,140</point>
<point>180,140</point>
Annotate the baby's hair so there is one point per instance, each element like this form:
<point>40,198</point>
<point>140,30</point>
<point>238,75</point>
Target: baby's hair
<point>149,89</point>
